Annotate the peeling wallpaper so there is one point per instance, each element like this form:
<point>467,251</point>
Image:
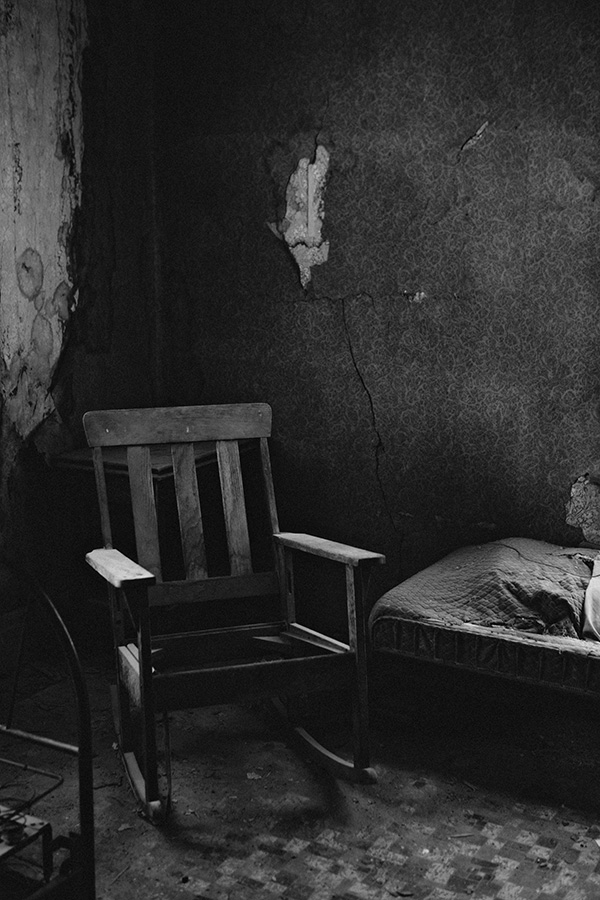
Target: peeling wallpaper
<point>41,145</point>
<point>438,382</point>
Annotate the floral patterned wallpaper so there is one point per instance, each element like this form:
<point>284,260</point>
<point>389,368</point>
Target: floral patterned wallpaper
<point>438,382</point>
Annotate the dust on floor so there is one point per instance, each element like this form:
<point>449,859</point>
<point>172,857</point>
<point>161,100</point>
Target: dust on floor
<point>484,796</point>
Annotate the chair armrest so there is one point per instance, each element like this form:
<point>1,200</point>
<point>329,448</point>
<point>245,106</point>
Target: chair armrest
<point>343,553</point>
<point>117,568</point>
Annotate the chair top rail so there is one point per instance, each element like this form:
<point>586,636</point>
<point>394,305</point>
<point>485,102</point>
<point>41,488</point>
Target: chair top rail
<point>173,424</point>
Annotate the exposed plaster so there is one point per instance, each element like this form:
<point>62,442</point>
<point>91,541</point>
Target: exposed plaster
<point>302,224</point>
<point>473,140</point>
<point>583,507</point>
<point>60,303</point>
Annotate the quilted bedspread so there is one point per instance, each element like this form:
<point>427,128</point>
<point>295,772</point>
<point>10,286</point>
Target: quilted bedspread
<point>515,583</point>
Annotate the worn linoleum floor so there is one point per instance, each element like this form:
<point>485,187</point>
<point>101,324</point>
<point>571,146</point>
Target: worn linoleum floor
<point>491,793</point>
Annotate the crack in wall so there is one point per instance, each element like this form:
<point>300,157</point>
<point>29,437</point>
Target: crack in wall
<point>320,126</point>
<point>472,140</point>
<point>379,445</point>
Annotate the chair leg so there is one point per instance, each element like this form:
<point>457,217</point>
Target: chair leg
<point>136,723</point>
<point>360,729</point>
<point>140,765</point>
<point>134,717</point>
<point>356,584</point>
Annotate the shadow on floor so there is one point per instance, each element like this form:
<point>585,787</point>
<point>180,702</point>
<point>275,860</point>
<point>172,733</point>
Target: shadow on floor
<point>483,791</point>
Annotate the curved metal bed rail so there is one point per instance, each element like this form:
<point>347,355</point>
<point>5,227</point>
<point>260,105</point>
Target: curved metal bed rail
<point>79,881</point>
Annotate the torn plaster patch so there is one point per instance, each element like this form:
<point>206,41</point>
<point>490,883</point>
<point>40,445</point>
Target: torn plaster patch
<point>583,507</point>
<point>303,222</point>
<point>475,138</point>
<point>60,301</point>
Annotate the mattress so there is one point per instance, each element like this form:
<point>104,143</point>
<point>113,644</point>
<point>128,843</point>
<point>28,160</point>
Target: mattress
<point>512,607</point>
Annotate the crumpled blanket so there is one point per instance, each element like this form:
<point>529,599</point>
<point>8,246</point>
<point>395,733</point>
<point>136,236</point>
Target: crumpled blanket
<point>516,583</point>
<point>590,623</point>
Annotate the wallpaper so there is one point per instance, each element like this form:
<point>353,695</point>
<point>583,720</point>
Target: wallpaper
<point>437,382</point>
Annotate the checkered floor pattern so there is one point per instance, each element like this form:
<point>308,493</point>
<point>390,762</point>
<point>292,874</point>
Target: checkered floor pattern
<point>495,806</point>
<point>533,854</point>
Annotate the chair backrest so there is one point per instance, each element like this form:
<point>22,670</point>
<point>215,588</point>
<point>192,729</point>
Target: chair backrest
<point>177,440</point>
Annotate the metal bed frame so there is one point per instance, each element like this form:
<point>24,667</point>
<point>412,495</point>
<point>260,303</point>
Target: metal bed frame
<point>561,663</point>
<point>76,876</point>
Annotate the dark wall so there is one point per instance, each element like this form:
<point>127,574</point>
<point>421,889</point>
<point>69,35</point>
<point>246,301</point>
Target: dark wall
<point>438,382</point>
<point>111,359</point>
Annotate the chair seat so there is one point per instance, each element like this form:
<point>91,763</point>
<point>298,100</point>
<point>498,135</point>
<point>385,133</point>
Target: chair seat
<point>242,681</point>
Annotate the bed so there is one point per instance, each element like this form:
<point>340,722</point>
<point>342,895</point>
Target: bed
<point>518,608</point>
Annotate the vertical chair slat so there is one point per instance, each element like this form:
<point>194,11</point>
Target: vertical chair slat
<point>285,561</point>
<point>268,481</point>
<point>234,507</point>
<point>144,509</point>
<point>102,496</point>
<point>188,506</point>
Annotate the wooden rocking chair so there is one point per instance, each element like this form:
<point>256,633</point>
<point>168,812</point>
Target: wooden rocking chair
<point>205,666</point>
